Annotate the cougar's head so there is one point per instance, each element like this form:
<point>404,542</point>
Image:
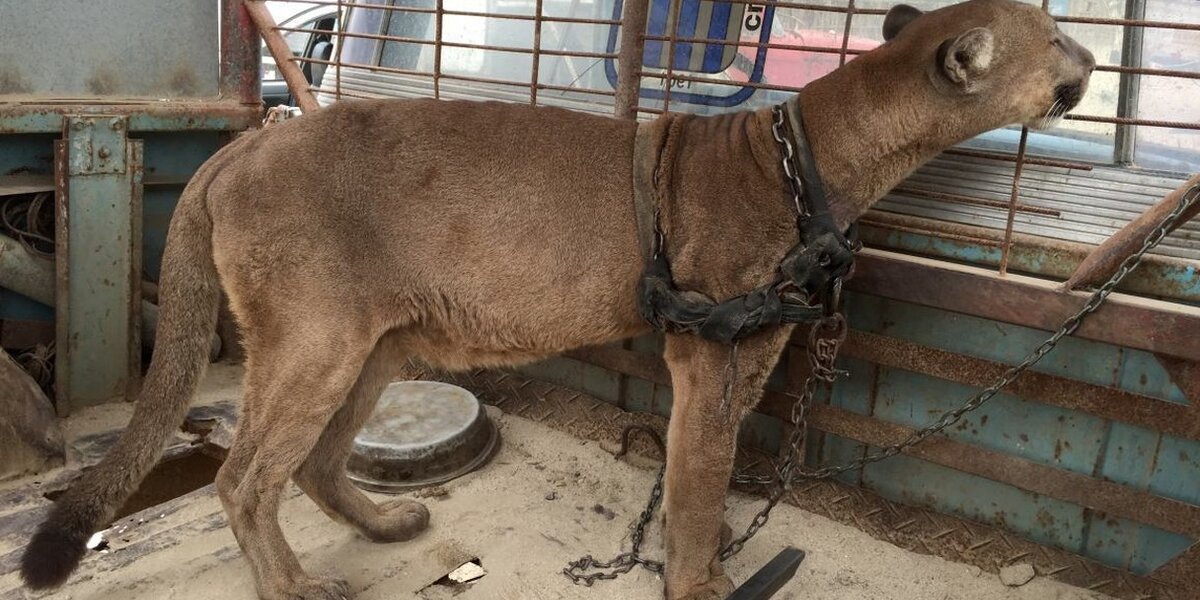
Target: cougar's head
<point>1002,61</point>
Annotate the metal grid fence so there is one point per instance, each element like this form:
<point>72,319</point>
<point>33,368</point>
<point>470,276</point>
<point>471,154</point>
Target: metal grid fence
<point>628,97</point>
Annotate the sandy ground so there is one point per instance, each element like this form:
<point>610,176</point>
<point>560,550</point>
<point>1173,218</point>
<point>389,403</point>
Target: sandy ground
<point>528,512</point>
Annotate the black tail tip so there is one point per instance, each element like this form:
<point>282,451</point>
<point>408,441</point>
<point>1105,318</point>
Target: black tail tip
<point>51,556</point>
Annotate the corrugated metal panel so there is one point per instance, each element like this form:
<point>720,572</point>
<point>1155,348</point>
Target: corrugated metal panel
<point>1092,205</point>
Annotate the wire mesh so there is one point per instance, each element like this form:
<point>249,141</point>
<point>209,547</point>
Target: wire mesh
<point>564,52</point>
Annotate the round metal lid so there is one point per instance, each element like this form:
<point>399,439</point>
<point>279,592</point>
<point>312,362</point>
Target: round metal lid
<point>421,433</point>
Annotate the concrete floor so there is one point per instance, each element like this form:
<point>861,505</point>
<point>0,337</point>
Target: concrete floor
<point>528,512</point>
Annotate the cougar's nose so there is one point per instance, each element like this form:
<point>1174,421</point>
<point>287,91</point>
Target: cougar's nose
<point>1089,60</point>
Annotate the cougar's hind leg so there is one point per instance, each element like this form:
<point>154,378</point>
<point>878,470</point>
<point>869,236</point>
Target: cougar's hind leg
<point>295,384</point>
<point>323,474</point>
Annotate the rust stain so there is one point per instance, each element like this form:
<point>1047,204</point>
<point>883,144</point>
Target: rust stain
<point>1045,519</point>
<point>12,81</point>
<point>182,81</point>
<point>103,82</point>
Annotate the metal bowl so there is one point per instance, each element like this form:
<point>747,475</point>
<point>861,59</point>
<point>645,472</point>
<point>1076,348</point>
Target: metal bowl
<point>421,433</point>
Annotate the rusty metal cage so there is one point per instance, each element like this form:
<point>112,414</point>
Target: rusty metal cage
<point>1138,114</point>
<point>1011,202</point>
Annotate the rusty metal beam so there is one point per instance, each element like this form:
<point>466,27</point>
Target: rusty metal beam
<point>1108,256</point>
<point>283,55</point>
<point>48,117</point>
<point>1105,402</point>
<point>1153,325</point>
<point>240,59</point>
<point>1056,259</point>
<point>629,57</point>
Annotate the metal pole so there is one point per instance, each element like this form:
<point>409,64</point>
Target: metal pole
<point>283,55</point>
<point>629,57</point>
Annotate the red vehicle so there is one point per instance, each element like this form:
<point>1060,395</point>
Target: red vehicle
<point>796,68</point>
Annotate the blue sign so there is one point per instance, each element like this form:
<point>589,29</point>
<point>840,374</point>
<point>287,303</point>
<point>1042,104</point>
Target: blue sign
<point>713,20</point>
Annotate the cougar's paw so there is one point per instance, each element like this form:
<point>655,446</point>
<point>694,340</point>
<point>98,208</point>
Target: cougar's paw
<point>717,588</point>
<point>400,520</point>
<point>316,588</point>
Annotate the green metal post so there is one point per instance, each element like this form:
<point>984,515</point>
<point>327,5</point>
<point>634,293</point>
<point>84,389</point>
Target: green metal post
<point>99,235</point>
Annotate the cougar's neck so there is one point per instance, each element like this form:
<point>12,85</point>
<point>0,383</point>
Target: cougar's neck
<point>870,124</point>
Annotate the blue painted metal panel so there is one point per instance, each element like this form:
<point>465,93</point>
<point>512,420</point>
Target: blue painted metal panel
<point>1062,438</point>
<point>30,154</point>
<point>1039,518</point>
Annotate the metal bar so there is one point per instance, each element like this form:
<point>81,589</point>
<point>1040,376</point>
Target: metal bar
<point>1158,276</point>
<point>1044,162</point>
<point>911,191</point>
<point>45,117</point>
<point>1113,499</point>
<point>1124,146</point>
<point>463,13</point>
<point>669,52</point>
<point>537,46</point>
<point>543,86</point>
<point>768,580</point>
<point>846,33</point>
<point>240,59</point>
<point>1013,200</point>
<point>295,79</point>
<point>1153,325</point>
<point>1173,73</point>
<point>98,176</point>
<point>634,16</point>
<point>438,42</point>
<point>1105,402</point>
<point>437,49</point>
<point>1129,23</point>
<point>746,44</point>
<point>1104,260</point>
<point>337,58</point>
<point>1129,121</point>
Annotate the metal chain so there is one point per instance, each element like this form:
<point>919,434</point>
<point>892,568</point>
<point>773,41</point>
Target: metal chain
<point>789,163</point>
<point>825,337</point>
<point>626,561</point>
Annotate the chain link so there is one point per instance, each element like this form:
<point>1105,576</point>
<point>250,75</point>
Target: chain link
<point>789,163</point>
<point>824,340</point>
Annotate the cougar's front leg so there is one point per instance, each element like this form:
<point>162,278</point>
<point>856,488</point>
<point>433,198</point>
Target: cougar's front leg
<point>701,443</point>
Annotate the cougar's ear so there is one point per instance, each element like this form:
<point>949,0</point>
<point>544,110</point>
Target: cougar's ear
<point>964,60</point>
<point>898,18</point>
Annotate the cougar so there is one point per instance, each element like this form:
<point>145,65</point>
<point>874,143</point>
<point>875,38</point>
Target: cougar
<point>481,234</point>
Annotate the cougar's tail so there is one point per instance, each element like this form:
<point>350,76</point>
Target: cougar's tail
<point>188,296</point>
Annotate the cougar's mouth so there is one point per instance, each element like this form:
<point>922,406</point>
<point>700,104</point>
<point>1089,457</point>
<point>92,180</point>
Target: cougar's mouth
<point>1066,97</point>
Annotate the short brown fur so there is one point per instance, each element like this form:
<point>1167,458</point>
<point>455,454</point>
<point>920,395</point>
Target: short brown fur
<point>469,235</point>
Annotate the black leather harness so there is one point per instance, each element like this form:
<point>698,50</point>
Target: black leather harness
<point>808,282</point>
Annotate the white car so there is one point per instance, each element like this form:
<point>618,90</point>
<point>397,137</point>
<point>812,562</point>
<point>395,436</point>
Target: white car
<point>298,15</point>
